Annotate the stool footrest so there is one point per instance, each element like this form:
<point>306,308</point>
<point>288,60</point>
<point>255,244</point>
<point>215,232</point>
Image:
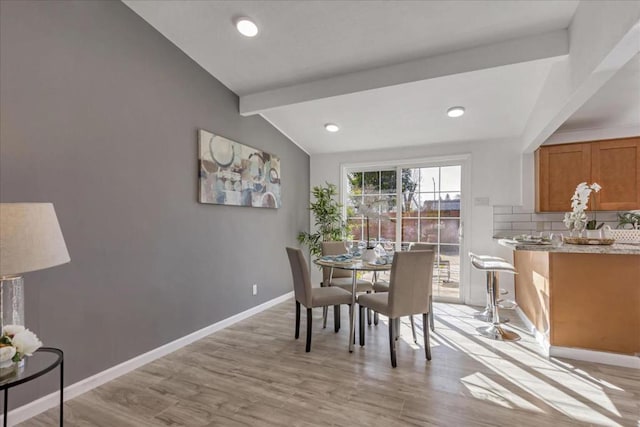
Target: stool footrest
<point>496,332</point>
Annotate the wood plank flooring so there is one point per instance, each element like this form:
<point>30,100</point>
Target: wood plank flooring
<point>255,374</point>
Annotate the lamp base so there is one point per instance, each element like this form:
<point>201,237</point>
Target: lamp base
<point>11,301</point>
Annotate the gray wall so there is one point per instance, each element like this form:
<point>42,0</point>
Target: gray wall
<point>99,115</point>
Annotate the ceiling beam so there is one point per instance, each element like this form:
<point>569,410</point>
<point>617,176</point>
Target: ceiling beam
<point>604,36</point>
<point>542,46</point>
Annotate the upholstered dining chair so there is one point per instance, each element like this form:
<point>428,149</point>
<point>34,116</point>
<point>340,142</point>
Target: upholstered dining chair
<point>409,293</point>
<point>312,297</point>
<point>381,286</point>
<point>341,278</point>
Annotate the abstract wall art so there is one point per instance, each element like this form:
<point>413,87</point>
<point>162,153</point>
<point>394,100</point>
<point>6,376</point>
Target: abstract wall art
<point>237,175</point>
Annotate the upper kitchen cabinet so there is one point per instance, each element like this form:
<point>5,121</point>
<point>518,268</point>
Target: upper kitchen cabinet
<point>559,168</point>
<point>614,164</point>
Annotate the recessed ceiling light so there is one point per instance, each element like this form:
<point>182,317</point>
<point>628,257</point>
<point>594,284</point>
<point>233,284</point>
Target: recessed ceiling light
<point>455,111</point>
<point>247,27</point>
<point>331,127</point>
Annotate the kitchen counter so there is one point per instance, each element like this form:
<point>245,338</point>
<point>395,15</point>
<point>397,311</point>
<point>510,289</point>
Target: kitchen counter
<point>581,296</point>
<point>616,248</point>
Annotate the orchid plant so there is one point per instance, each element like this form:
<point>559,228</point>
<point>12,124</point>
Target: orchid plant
<point>370,208</point>
<point>577,219</point>
<point>17,342</point>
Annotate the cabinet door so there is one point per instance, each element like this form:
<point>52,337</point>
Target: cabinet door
<point>559,169</point>
<point>616,167</point>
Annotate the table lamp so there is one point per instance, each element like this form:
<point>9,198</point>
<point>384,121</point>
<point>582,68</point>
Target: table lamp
<point>30,240</point>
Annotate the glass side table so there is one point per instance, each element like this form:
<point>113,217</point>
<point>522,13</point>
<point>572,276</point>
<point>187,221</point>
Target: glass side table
<point>43,361</point>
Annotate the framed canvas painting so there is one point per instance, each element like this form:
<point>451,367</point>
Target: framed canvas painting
<point>237,175</point>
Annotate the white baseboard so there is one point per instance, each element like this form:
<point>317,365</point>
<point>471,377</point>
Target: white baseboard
<point>615,359</point>
<point>540,337</point>
<point>38,406</point>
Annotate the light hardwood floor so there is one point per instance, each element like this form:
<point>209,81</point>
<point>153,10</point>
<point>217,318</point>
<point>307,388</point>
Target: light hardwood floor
<point>255,374</point>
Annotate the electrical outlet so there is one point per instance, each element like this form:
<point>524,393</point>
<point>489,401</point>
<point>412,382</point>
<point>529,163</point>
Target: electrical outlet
<point>255,289</point>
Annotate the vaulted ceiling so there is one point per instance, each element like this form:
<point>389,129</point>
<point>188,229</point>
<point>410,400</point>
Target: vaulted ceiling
<point>385,72</point>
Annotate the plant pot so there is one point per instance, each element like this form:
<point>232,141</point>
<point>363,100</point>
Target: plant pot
<point>10,368</point>
<point>593,234</point>
<point>623,235</point>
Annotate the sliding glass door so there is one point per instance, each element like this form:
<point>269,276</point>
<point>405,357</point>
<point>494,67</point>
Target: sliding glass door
<point>404,205</point>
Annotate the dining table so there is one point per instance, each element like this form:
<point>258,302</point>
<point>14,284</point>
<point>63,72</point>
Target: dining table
<point>354,265</point>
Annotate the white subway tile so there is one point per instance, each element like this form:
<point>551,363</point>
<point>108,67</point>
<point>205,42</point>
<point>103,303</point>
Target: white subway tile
<point>558,226</point>
<point>502,210</point>
<point>512,218</point>
<point>524,225</point>
<point>502,226</point>
<point>604,216</point>
<point>547,216</point>
<point>520,209</point>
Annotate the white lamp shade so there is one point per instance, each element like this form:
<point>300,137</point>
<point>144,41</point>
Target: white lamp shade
<point>30,238</point>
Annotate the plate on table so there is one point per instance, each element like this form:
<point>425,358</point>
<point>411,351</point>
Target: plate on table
<point>530,240</point>
<point>342,259</point>
<point>378,262</point>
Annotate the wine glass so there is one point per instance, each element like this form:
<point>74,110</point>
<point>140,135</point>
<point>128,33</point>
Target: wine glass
<point>348,247</point>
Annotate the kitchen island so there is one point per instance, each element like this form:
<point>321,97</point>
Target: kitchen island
<point>581,296</point>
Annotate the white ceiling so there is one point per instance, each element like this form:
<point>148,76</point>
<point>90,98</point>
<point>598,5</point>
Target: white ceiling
<point>333,61</point>
<point>616,104</point>
<point>497,103</point>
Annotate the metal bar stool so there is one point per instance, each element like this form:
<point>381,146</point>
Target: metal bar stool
<point>493,266</point>
<point>486,315</point>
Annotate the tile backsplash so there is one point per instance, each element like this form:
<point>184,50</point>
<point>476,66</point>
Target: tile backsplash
<point>509,221</point>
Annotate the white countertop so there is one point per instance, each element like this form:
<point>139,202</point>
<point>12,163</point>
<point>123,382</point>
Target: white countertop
<point>616,248</point>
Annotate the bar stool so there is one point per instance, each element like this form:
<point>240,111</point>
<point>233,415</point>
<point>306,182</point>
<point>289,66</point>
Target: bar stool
<point>486,315</point>
<point>493,267</point>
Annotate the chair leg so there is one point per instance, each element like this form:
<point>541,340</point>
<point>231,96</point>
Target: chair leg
<point>297,319</point>
<point>336,318</point>
<point>309,324</point>
<point>425,332</point>
<point>413,329</point>
<point>396,324</point>
<point>392,342</point>
<point>325,312</point>
<point>432,323</point>
<point>376,318</point>
<point>361,322</point>
<point>369,313</point>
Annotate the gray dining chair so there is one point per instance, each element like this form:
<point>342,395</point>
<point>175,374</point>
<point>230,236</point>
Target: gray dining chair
<point>381,286</point>
<point>341,278</point>
<point>409,293</point>
<point>312,297</point>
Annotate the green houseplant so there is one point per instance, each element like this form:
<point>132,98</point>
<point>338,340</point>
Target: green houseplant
<point>629,220</point>
<point>328,219</point>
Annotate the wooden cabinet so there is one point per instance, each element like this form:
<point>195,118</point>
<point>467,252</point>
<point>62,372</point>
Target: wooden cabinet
<point>559,169</point>
<point>614,164</point>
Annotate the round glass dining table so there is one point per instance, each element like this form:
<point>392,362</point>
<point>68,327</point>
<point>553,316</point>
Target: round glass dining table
<point>355,266</point>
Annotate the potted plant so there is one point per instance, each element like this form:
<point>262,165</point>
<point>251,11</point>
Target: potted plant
<point>576,221</point>
<point>628,228</point>
<point>629,220</point>
<point>328,219</point>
